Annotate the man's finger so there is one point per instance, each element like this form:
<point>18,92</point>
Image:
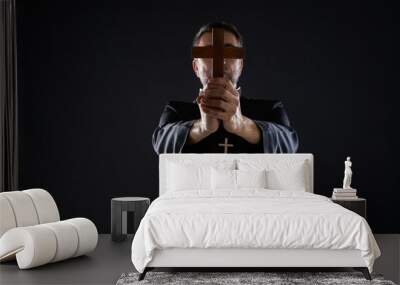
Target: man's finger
<point>224,83</point>
<point>215,108</point>
<point>226,97</point>
<point>217,92</point>
<point>214,113</point>
<point>220,94</point>
<point>217,103</point>
<point>219,89</point>
<point>223,114</point>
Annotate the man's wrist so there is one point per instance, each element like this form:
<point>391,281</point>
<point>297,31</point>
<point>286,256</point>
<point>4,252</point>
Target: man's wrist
<point>198,132</point>
<point>202,127</point>
<point>248,130</point>
<point>238,126</point>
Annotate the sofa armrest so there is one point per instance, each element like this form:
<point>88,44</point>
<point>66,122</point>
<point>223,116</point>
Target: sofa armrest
<point>45,243</point>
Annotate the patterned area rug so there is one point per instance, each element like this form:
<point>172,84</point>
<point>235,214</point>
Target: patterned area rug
<point>275,278</point>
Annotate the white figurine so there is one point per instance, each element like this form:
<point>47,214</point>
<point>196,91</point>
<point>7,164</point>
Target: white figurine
<point>347,174</point>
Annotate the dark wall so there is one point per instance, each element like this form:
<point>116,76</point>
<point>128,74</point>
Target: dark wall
<point>93,80</point>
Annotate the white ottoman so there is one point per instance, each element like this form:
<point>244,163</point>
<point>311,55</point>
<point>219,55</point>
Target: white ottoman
<point>31,232</point>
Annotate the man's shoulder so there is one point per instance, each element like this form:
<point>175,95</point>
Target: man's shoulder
<point>260,103</point>
<point>182,108</point>
<point>261,109</point>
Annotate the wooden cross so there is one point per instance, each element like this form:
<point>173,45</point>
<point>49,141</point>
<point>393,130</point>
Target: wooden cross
<point>217,52</point>
<point>225,145</point>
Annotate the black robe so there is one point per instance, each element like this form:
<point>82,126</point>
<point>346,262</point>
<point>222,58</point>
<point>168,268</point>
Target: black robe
<point>269,115</point>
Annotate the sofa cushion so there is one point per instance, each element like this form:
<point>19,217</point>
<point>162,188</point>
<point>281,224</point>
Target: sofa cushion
<point>31,232</point>
<point>26,208</point>
<point>40,244</point>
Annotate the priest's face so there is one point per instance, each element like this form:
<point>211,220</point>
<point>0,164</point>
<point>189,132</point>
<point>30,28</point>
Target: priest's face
<point>232,67</point>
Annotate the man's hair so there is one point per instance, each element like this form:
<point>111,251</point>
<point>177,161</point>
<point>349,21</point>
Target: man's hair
<point>207,28</point>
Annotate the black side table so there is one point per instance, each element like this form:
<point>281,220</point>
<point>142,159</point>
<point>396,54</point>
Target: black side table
<point>119,208</point>
<point>358,205</point>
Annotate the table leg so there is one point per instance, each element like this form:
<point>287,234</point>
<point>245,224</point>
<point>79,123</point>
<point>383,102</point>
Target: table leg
<point>118,222</point>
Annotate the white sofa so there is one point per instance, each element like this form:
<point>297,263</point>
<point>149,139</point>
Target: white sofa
<point>31,231</point>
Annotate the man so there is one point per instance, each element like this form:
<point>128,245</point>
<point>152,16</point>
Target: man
<point>221,119</point>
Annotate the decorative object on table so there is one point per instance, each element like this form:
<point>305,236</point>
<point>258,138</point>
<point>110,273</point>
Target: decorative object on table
<point>357,205</point>
<point>347,174</point>
<point>346,193</point>
<point>32,233</point>
<point>272,278</point>
<point>119,208</point>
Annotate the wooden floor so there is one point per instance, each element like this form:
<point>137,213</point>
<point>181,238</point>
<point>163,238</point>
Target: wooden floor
<point>110,260</point>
